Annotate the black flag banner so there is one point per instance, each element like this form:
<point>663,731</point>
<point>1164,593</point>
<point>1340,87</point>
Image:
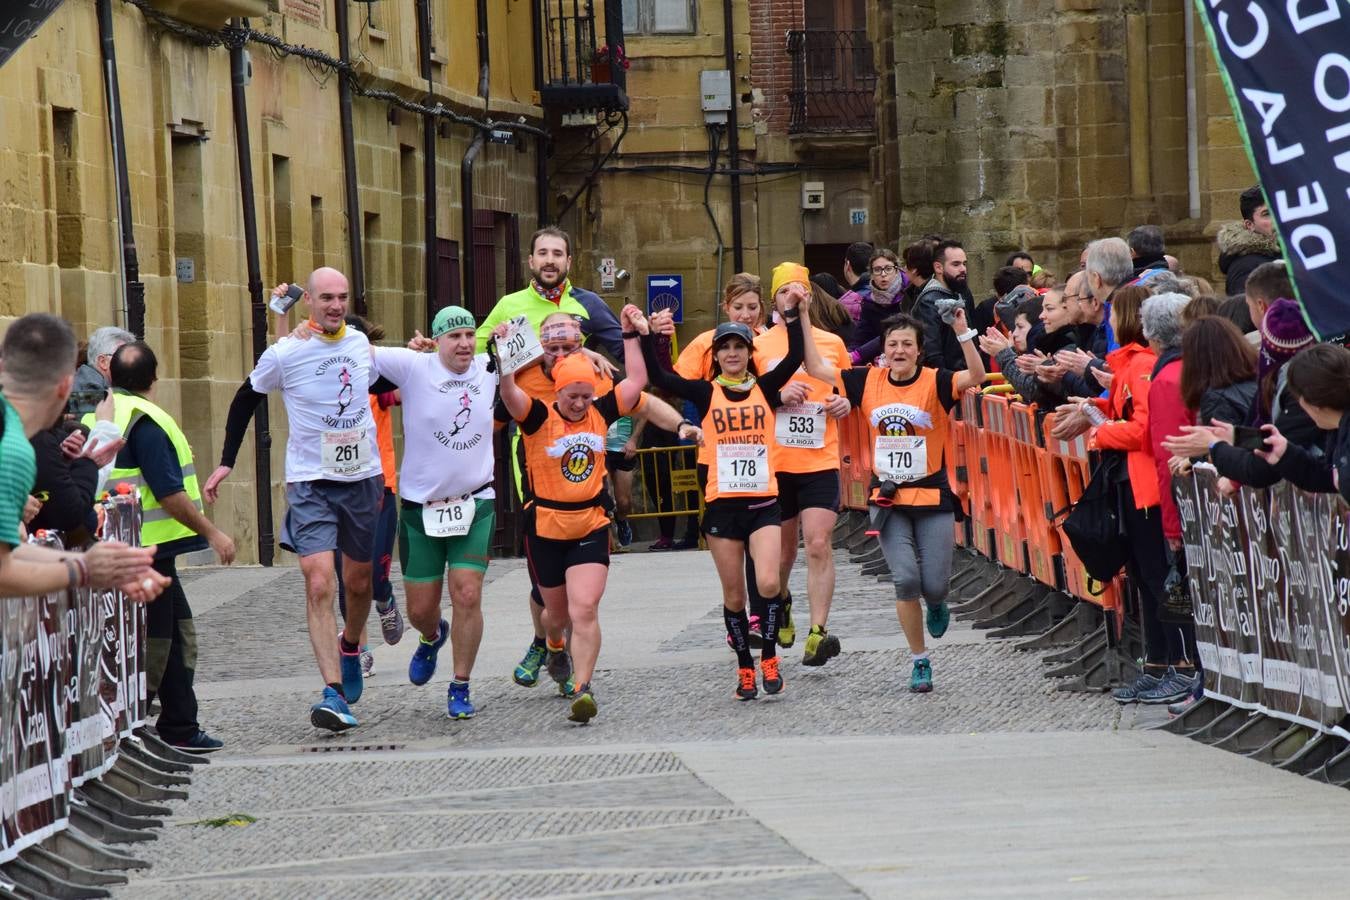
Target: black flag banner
<point>1287,69</point>
<point>19,21</point>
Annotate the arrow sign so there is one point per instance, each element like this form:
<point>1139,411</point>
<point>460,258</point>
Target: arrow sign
<point>666,292</point>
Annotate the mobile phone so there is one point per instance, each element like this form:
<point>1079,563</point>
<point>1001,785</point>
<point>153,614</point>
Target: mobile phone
<point>1249,438</point>
<point>282,305</point>
<point>1048,361</point>
<point>81,402</point>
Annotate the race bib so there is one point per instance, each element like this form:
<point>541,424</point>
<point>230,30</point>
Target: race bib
<point>344,452</point>
<point>742,469</point>
<point>800,425</point>
<point>519,347</point>
<point>900,458</point>
<point>448,518</point>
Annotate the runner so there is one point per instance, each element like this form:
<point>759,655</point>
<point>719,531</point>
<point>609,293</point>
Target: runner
<point>912,508</point>
<point>333,478</point>
<point>566,539</point>
<point>448,509</point>
<point>742,303</point>
<point>806,457</point>
<point>735,409</point>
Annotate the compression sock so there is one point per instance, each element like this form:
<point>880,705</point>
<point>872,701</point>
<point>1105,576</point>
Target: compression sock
<point>348,647</point>
<point>773,618</point>
<point>738,629</point>
<point>338,687</point>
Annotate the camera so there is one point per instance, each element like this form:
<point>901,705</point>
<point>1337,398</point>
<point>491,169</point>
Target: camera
<point>947,307</point>
<point>886,493</point>
<point>81,402</point>
<point>282,305</point>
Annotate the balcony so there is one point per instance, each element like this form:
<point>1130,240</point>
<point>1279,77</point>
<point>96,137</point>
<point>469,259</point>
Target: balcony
<point>571,77</point>
<point>834,80</point>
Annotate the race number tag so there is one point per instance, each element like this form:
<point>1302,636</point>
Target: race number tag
<point>344,452</point>
<point>800,425</point>
<point>519,347</point>
<point>742,469</point>
<point>900,458</point>
<point>448,518</point>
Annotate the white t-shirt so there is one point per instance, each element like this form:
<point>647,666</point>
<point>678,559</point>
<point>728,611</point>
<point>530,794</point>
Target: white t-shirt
<point>447,425</point>
<point>326,386</point>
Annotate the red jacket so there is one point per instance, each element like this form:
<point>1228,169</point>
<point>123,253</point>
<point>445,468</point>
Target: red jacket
<point>1166,414</point>
<point>1127,406</point>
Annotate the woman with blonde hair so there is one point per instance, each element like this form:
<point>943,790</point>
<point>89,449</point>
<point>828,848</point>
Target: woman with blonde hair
<point>741,302</point>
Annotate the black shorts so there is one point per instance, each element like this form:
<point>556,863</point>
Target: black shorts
<point>616,461</point>
<point>549,559</point>
<point>739,517</point>
<point>808,490</point>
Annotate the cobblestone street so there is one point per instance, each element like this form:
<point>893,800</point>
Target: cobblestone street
<point>994,785</point>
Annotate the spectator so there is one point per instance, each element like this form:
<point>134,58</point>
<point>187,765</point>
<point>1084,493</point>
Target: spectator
<point>37,374</point>
<point>857,259</point>
<point>1234,309</point>
<point>1198,307</point>
<point>827,283</point>
<point>918,267</point>
<point>941,349</point>
<point>1267,283</point>
<point>829,314</point>
<point>1162,317</point>
<point>883,301</point>
<point>1059,316</point>
<point>1320,378</point>
<point>1043,280</point>
<point>1109,267</point>
<point>93,374</point>
<point>1169,673</point>
<point>1148,251</point>
<point>740,303</point>
<point>1006,349</point>
<point>67,477</point>
<point>656,477</point>
<point>1219,382</point>
<point>1245,245</point>
<point>1005,279</point>
<point>1022,260</point>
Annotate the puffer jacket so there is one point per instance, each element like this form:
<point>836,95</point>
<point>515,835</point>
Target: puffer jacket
<point>1241,251</point>
<point>1127,407</point>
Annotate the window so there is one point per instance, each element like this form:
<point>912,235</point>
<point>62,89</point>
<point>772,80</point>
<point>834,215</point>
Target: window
<point>658,16</point>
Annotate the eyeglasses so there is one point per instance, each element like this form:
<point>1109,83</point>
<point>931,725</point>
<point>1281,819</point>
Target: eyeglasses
<point>1074,297</point>
<point>885,270</point>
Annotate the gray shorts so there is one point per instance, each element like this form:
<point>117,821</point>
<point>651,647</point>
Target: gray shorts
<point>323,516</point>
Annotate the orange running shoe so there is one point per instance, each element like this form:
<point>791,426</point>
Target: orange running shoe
<point>773,682</point>
<point>745,689</point>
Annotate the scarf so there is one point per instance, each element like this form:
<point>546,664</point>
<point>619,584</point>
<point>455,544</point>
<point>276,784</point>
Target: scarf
<point>552,295</point>
<point>887,297</point>
<point>744,385</point>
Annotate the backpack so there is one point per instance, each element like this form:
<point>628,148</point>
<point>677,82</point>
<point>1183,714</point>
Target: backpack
<point>1095,527</point>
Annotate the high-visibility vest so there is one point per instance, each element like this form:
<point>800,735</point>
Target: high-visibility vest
<point>158,527</point>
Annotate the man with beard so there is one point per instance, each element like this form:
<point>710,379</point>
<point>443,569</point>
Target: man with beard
<point>941,349</point>
<point>550,291</point>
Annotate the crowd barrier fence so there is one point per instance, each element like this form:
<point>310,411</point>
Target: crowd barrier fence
<point>72,688</point>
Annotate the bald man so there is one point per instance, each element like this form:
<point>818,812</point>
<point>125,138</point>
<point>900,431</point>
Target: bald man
<point>334,482</point>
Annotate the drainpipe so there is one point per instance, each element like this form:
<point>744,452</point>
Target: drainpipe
<point>428,163</point>
<point>262,437</point>
<point>733,138</point>
<point>1192,119</point>
<point>134,290</point>
<point>467,163</point>
<point>354,222</point>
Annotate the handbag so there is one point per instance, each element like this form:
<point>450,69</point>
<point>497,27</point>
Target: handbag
<point>1095,527</point>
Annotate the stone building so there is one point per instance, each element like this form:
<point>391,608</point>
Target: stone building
<point>60,249</point>
<point>1041,125</point>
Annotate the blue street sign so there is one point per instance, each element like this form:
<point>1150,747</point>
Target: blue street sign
<point>666,292</point>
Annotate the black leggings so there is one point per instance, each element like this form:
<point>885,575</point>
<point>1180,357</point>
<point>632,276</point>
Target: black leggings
<point>171,657</point>
<point>1165,643</point>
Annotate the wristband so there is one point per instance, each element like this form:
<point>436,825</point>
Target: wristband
<point>72,575</point>
<point>687,422</point>
<point>969,336</point>
<point>631,334</point>
<point>83,566</point>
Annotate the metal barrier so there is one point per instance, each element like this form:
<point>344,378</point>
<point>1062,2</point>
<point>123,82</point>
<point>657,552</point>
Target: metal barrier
<point>666,483</point>
<point>72,690</point>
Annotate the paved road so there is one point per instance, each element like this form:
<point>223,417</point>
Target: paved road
<point>994,785</point>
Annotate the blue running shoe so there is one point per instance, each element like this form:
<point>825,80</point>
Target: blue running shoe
<point>527,673</point>
<point>921,679</point>
<point>352,682</point>
<point>423,663</point>
<point>568,688</point>
<point>331,712</point>
<point>625,532</point>
<point>458,704</point>
<point>938,618</point>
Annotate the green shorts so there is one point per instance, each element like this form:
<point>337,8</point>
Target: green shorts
<point>425,559</point>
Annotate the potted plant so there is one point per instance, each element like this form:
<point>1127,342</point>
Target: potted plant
<point>604,61</point>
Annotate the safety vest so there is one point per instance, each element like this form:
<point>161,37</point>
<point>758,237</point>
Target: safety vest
<point>157,526</point>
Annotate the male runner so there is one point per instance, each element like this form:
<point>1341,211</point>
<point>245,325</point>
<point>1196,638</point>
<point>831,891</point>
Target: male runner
<point>333,477</point>
<point>448,510</point>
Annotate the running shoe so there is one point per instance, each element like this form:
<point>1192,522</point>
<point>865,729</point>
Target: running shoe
<point>458,705</point>
<point>584,707</point>
<point>625,531</point>
<point>1173,688</point>
<point>559,665</point>
<point>921,679</point>
<point>367,662</point>
<point>352,683</point>
<point>661,543</point>
<point>1130,692</point>
<point>689,543</point>
<point>527,672</point>
<point>568,689</point>
<point>938,618</point>
<point>754,638</point>
<point>787,632</point>
<point>331,712</point>
<point>821,647</point>
<point>745,684</point>
<point>773,682</point>
<point>201,742</point>
<point>423,663</point>
<point>391,621</point>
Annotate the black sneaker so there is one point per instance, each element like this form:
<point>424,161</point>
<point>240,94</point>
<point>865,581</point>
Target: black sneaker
<point>1130,693</point>
<point>201,742</point>
<point>821,647</point>
<point>559,665</point>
